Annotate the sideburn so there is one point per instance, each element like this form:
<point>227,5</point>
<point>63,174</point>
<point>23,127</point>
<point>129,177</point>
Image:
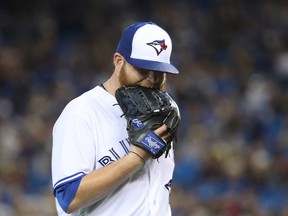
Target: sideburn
<point>123,78</point>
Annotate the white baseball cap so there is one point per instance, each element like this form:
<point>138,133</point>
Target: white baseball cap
<point>147,46</point>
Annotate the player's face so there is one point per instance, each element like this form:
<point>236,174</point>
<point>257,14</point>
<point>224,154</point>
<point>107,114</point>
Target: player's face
<point>131,76</point>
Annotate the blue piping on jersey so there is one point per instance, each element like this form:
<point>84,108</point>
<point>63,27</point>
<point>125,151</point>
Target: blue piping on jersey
<point>68,179</point>
<point>66,193</point>
<point>66,189</point>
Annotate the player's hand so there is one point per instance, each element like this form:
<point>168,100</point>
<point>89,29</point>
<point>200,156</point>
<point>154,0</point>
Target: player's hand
<point>162,132</point>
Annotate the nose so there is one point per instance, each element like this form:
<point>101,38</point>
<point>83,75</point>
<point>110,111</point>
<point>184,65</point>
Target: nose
<point>153,77</point>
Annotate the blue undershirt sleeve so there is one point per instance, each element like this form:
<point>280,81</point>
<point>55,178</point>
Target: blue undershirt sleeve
<point>66,192</point>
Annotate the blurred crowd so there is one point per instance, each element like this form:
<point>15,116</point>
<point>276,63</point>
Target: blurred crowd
<point>232,149</point>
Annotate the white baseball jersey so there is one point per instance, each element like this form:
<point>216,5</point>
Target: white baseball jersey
<point>89,134</point>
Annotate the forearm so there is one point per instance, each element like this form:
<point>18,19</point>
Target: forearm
<point>98,183</point>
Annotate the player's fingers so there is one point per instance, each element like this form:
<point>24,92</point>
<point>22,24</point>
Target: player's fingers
<point>162,131</point>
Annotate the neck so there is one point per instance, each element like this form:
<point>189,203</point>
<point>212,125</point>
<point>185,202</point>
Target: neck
<point>110,86</point>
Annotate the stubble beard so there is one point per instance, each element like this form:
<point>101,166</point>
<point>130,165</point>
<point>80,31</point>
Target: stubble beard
<point>125,80</point>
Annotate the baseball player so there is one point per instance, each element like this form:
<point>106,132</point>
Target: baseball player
<point>96,171</point>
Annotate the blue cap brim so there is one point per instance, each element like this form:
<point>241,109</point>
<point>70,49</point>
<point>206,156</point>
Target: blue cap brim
<point>153,65</point>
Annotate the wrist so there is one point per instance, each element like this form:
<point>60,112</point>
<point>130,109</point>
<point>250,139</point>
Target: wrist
<point>139,156</point>
<point>141,151</point>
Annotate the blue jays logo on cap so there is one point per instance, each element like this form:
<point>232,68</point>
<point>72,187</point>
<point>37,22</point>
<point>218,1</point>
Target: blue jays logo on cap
<point>136,42</point>
<point>158,45</point>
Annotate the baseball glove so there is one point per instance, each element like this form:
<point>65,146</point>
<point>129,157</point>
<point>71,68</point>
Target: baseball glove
<point>145,110</point>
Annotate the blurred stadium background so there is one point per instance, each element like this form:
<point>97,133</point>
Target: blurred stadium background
<point>232,150</point>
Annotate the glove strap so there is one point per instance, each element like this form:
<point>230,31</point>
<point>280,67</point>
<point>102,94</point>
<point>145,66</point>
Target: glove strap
<point>154,144</point>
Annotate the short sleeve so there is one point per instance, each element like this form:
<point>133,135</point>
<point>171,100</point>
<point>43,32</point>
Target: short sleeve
<point>73,151</point>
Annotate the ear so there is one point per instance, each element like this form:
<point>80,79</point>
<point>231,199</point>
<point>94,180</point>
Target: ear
<point>118,60</point>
